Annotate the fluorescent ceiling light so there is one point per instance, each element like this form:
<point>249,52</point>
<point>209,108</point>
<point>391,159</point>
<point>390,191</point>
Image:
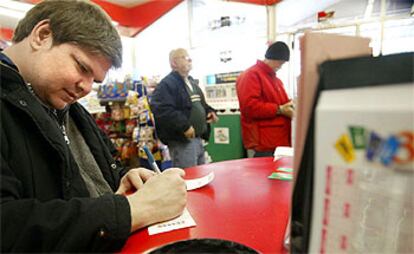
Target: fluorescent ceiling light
<point>14,10</point>
<point>15,5</point>
<point>11,13</point>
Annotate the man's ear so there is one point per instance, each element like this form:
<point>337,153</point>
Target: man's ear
<point>173,64</point>
<point>41,35</point>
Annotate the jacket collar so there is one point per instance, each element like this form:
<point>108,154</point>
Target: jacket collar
<point>7,61</point>
<point>14,91</point>
<point>177,76</point>
<point>10,72</point>
<point>265,68</point>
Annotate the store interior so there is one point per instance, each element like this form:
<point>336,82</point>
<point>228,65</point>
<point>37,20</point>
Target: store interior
<point>223,39</point>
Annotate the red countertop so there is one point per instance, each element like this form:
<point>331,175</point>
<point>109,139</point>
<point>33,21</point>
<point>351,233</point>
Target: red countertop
<point>241,204</point>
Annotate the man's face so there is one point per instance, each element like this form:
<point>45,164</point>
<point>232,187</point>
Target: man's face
<point>183,62</point>
<point>64,73</point>
<point>277,64</point>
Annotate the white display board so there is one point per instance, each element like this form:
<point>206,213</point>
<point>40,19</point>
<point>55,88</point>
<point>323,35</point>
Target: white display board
<point>364,171</point>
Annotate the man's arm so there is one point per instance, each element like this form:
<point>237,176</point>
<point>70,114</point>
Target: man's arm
<point>164,108</point>
<point>210,111</point>
<point>57,225</point>
<point>88,224</point>
<point>249,92</point>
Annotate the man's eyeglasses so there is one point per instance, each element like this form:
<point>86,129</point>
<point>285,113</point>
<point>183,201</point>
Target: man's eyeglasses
<point>187,58</point>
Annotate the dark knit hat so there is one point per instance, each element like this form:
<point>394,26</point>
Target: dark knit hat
<point>278,51</point>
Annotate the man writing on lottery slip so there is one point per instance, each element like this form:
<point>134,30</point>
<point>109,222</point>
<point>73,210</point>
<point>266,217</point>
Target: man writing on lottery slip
<point>61,189</point>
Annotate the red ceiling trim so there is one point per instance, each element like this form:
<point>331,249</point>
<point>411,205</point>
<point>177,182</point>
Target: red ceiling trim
<point>32,1</point>
<point>6,34</point>
<point>118,13</point>
<point>140,16</point>
<point>259,2</point>
<point>135,18</point>
<point>147,13</point>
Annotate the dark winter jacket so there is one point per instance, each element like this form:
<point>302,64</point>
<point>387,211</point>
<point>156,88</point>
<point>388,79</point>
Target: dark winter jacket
<point>171,106</point>
<point>44,201</point>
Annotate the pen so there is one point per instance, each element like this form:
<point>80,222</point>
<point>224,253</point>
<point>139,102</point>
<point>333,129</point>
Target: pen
<point>151,160</point>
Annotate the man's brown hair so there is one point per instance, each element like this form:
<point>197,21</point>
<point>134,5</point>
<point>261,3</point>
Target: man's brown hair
<point>78,22</point>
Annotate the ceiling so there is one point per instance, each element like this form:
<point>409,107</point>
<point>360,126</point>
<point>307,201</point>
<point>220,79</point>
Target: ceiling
<point>131,16</point>
<point>128,3</point>
<point>131,3</point>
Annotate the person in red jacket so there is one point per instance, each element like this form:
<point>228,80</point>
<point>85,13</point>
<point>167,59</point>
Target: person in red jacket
<point>266,110</point>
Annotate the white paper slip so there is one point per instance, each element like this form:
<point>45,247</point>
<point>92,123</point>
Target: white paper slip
<point>282,151</point>
<point>183,221</point>
<point>199,182</point>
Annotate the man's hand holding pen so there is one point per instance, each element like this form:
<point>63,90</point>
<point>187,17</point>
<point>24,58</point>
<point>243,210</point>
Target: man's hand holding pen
<point>134,180</point>
<point>154,197</point>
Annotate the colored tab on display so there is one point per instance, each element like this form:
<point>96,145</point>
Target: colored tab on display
<point>374,146</point>
<point>344,146</point>
<point>358,136</point>
<point>388,151</point>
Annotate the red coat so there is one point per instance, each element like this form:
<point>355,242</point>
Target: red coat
<point>260,93</point>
